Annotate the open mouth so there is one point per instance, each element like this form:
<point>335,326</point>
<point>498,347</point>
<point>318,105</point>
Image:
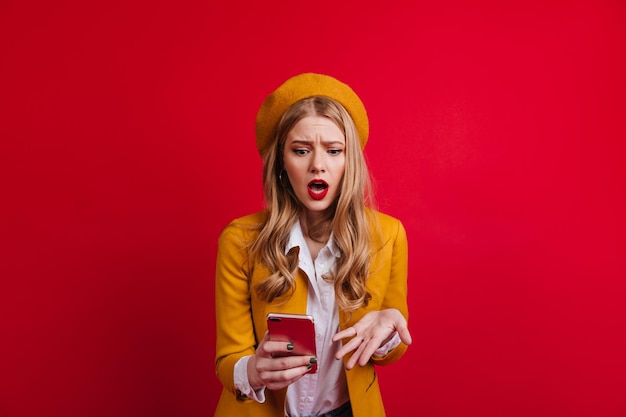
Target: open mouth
<point>318,189</point>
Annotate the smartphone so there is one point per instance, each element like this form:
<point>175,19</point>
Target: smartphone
<point>297,329</point>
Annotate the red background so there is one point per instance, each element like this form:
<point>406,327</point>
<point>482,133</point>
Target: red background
<point>497,137</point>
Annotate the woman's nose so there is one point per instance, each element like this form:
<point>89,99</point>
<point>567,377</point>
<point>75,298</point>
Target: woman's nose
<point>317,162</point>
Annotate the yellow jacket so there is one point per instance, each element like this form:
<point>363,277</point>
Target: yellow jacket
<point>241,315</point>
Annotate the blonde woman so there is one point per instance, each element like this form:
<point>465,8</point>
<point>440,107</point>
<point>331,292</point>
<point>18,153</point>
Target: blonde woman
<point>318,248</point>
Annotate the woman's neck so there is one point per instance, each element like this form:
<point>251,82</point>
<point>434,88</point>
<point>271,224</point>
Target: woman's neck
<point>315,234</point>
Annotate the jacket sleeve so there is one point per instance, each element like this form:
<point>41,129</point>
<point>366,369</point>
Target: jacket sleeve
<point>396,248</point>
<point>235,335</point>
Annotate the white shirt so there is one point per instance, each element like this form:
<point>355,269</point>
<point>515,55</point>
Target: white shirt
<point>326,389</point>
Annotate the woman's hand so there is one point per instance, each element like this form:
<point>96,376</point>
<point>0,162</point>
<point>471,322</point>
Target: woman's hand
<point>371,332</point>
<point>276,372</point>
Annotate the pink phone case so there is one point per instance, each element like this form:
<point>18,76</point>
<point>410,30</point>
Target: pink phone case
<point>297,329</point>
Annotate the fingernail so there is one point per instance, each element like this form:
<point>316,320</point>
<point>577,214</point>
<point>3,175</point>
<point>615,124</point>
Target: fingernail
<point>289,346</point>
<point>313,360</point>
<point>310,366</point>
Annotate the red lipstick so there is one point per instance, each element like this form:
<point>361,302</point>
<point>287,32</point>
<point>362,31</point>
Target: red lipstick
<point>318,189</point>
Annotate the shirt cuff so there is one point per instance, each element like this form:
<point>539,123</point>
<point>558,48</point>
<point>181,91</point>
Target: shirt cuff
<point>388,347</point>
<point>243,385</point>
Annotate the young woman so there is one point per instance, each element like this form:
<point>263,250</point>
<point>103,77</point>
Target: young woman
<point>318,248</point>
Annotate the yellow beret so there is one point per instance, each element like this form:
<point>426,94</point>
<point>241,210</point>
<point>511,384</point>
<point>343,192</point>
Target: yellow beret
<point>300,87</point>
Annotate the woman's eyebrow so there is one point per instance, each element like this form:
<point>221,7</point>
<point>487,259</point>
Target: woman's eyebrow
<point>333,142</point>
<point>300,142</point>
<point>303,141</point>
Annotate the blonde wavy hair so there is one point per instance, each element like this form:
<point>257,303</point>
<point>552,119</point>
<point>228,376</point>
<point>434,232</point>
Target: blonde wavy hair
<point>346,218</point>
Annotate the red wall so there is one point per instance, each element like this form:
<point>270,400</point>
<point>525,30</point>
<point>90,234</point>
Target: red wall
<point>497,136</point>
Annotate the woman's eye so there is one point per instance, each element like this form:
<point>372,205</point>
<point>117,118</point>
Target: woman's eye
<point>300,151</point>
<point>334,151</point>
